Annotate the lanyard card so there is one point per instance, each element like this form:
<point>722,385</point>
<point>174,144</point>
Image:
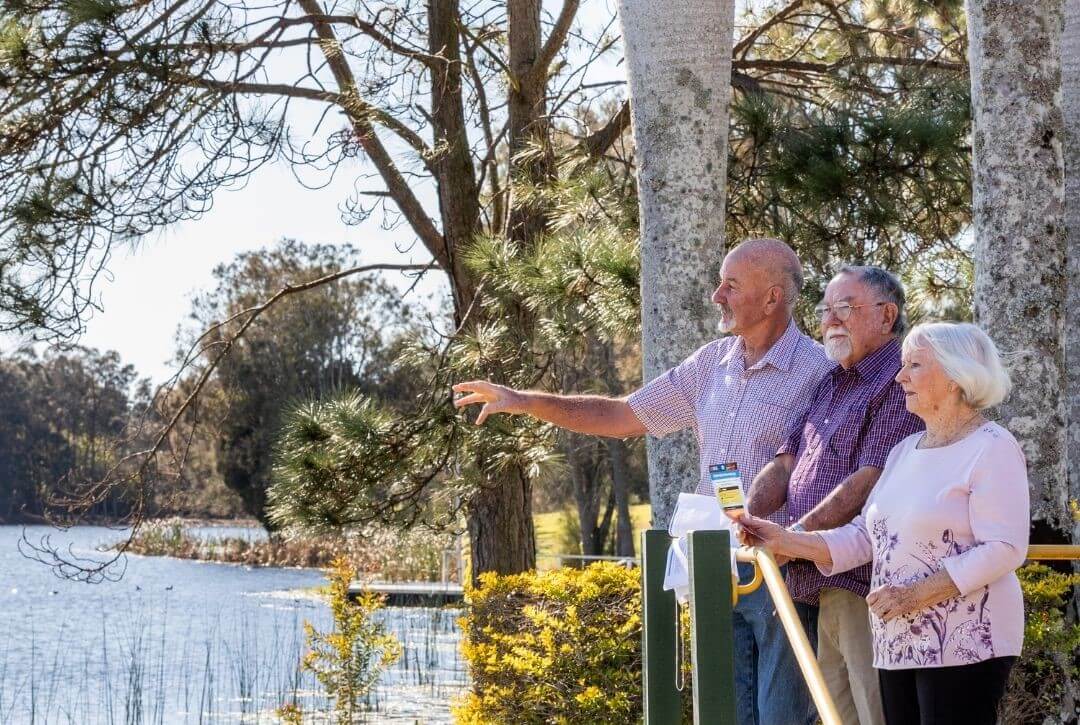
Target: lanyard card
<point>728,484</point>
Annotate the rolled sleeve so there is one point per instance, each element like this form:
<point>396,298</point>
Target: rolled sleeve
<point>999,512</point>
<point>889,424</point>
<point>849,547</point>
<point>666,404</point>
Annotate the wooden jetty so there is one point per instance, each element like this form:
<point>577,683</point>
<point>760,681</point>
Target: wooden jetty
<point>412,594</point>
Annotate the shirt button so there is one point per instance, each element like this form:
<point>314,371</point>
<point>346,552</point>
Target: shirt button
<point>826,421</point>
<point>791,518</point>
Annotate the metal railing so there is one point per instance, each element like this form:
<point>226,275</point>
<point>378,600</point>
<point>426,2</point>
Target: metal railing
<point>712,599</point>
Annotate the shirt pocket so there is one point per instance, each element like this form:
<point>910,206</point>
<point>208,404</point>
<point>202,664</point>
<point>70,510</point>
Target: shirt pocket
<point>844,441</point>
<point>772,423</point>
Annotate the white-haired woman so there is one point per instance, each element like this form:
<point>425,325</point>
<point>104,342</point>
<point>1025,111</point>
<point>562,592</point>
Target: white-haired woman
<point>945,528</point>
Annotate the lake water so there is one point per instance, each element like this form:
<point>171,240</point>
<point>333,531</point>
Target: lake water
<point>178,641</point>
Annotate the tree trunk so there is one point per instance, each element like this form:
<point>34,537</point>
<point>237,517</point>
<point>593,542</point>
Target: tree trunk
<point>499,520</point>
<point>678,57</point>
<point>1070,103</point>
<point>624,527</point>
<point>526,111</point>
<point>585,498</point>
<point>499,517</point>
<point>459,197</point>
<point>1019,212</point>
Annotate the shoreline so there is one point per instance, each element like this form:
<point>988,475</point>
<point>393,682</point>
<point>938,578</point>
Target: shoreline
<point>192,521</point>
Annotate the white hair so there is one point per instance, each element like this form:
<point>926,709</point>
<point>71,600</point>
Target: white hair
<point>970,359</point>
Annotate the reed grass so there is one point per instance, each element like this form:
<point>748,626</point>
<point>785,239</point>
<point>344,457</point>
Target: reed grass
<point>127,672</point>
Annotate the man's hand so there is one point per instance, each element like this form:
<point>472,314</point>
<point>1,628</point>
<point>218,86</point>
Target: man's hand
<point>495,398</point>
<point>889,602</point>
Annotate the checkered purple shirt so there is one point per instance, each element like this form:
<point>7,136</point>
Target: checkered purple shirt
<point>738,414</point>
<point>855,418</point>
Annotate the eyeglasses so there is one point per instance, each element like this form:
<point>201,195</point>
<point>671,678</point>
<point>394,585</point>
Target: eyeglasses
<point>841,311</point>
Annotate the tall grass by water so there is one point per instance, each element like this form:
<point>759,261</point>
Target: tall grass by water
<point>178,641</point>
<point>229,672</point>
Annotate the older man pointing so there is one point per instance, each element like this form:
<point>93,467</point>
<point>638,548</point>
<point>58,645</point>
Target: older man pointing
<point>740,394</point>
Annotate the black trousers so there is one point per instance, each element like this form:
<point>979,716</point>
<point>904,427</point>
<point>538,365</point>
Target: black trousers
<point>961,695</point>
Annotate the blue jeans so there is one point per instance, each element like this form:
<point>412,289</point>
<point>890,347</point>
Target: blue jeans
<point>769,688</point>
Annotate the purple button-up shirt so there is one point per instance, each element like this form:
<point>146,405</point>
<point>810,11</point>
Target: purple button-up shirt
<point>738,414</point>
<point>855,418</point>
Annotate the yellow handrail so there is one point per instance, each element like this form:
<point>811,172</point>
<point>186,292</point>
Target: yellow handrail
<point>1053,552</point>
<point>739,589</point>
<point>766,568</point>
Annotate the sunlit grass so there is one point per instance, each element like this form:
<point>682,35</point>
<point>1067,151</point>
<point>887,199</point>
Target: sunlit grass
<point>554,533</point>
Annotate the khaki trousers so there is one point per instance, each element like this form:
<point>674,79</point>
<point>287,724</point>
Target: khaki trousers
<point>845,654</point>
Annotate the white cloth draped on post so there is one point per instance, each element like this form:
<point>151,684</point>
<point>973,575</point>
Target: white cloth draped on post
<point>693,512</point>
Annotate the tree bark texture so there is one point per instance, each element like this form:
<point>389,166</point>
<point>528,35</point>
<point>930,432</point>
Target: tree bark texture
<point>459,197</point>
<point>678,56</point>
<point>499,521</point>
<point>1070,103</point>
<point>1019,212</point>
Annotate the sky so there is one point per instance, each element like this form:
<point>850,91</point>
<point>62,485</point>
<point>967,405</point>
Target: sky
<point>148,290</point>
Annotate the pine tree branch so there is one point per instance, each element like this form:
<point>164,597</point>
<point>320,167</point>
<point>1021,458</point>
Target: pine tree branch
<point>744,45</point>
<point>367,28</point>
<point>358,111</point>
<point>555,41</point>
<point>597,143</point>
<point>823,68</point>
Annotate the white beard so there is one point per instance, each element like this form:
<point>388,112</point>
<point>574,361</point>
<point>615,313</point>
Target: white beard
<point>837,348</point>
<point>726,323</point>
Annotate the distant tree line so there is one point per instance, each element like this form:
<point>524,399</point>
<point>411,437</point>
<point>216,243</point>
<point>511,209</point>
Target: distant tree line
<point>64,415</point>
<point>71,415</point>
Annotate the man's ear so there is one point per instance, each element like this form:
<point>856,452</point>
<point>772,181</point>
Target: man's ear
<point>891,313</point>
<point>775,295</point>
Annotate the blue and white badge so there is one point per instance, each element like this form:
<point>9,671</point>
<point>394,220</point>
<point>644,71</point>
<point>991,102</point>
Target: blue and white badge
<point>727,481</point>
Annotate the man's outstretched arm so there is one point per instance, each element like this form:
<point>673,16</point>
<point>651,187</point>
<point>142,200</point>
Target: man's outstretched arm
<point>588,414</point>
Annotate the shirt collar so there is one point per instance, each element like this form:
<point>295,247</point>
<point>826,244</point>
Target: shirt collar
<point>780,355</point>
<point>871,366</point>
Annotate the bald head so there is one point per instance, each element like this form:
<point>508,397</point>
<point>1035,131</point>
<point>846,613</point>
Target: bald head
<point>776,262</point>
<point>760,281</point>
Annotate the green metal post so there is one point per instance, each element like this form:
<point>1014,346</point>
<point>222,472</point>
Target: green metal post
<point>713,650</point>
<point>662,702</point>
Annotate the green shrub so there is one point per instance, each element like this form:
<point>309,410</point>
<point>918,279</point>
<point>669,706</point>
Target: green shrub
<point>559,647</point>
<point>348,660</point>
<point>564,647</point>
<point>1048,666</point>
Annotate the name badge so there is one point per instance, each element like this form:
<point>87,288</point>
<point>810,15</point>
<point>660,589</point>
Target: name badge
<point>727,482</point>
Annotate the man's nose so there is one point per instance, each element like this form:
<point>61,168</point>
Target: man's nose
<point>719,295</point>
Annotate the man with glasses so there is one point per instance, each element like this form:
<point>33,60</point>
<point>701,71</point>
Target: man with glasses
<point>740,394</point>
<point>828,466</point>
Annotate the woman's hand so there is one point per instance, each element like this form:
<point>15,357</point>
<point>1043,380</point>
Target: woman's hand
<point>889,602</point>
<point>760,532</point>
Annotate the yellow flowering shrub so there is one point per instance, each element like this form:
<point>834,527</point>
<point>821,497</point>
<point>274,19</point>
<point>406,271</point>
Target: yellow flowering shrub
<point>562,647</point>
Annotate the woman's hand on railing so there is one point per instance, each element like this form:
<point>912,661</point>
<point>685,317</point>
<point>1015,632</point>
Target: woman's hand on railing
<point>762,533</point>
<point>782,543</point>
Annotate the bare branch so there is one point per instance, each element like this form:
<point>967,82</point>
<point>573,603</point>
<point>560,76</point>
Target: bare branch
<point>555,40</point>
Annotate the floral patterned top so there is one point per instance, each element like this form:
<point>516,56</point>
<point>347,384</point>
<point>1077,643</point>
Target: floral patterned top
<point>962,507</point>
